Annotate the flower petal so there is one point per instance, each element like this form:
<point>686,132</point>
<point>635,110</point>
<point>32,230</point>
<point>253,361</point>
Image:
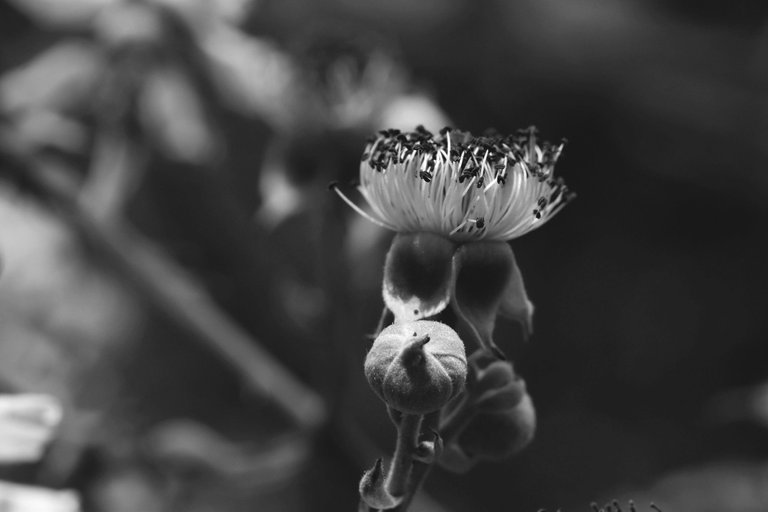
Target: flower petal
<point>484,271</point>
<point>418,275</point>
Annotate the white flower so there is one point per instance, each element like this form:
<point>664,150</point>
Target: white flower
<point>460,186</point>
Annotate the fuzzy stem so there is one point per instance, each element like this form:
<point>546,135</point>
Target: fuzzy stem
<point>418,476</point>
<point>420,470</point>
<point>407,439</point>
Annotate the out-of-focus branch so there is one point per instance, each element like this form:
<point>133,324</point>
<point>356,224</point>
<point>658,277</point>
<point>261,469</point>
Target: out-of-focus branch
<point>114,175</point>
<point>159,280</point>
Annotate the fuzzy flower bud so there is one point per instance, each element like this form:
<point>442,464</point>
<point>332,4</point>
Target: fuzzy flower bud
<point>417,367</point>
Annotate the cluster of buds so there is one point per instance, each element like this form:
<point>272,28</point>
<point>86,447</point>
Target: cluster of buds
<point>455,201</point>
<point>493,420</point>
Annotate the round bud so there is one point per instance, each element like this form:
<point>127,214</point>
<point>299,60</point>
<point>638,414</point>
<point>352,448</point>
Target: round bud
<point>417,367</point>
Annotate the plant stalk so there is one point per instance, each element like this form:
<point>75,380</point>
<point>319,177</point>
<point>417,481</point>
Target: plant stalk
<point>407,438</point>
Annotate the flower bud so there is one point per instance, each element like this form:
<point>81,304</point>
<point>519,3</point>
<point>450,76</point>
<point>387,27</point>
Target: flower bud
<point>492,420</point>
<point>490,436</point>
<point>500,434</point>
<point>492,384</point>
<point>417,367</point>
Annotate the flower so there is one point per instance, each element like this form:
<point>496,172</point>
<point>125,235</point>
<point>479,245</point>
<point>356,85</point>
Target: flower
<point>463,187</point>
<point>455,201</point>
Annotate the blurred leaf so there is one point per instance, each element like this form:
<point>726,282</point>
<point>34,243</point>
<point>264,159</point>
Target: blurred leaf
<point>25,498</point>
<point>60,77</point>
<point>189,445</point>
<point>27,424</point>
<point>58,14</point>
<point>175,118</point>
<point>254,75</point>
<point>406,111</point>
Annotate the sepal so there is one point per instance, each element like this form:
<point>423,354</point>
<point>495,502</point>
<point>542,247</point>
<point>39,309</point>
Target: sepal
<point>482,273</point>
<point>418,274</point>
<point>373,489</point>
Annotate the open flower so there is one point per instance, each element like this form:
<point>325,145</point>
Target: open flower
<point>455,201</point>
<point>460,186</point>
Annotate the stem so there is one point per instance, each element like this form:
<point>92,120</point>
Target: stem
<point>418,476</point>
<point>407,439</point>
<point>420,470</point>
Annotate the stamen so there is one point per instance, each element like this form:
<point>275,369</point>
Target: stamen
<point>458,228</point>
<point>363,213</point>
<point>464,187</point>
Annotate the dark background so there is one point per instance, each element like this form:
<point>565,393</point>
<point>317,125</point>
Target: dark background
<point>650,336</point>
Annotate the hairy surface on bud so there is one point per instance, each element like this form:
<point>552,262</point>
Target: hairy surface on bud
<point>417,367</point>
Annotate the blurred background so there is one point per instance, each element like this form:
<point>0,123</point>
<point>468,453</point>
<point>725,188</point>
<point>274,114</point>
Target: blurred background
<point>175,271</point>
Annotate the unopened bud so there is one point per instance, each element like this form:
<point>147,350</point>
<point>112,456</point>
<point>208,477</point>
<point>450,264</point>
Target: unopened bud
<point>417,367</point>
<point>492,384</point>
<point>493,420</point>
<point>498,435</point>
